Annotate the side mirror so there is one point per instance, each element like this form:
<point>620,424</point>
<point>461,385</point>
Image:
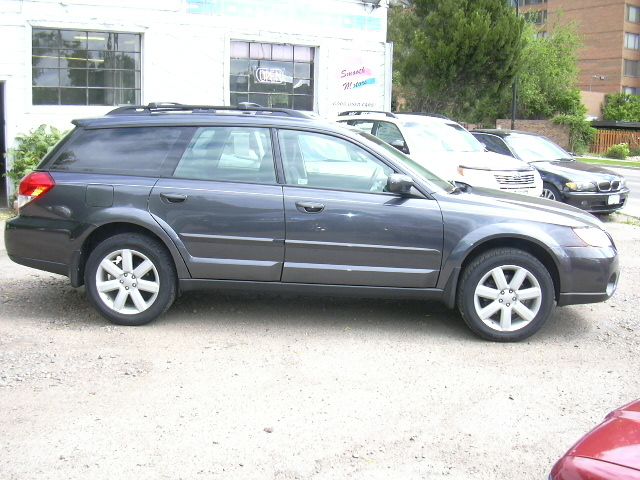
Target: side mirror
<point>400,145</point>
<point>398,183</point>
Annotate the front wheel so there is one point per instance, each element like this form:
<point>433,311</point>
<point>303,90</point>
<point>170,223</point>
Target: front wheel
<point>130,279</point>
<point>506,295</point>
<point>550,192</point>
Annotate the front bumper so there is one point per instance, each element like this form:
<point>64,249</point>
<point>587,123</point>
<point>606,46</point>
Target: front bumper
<point>588,274</point>
<point>597,202</point>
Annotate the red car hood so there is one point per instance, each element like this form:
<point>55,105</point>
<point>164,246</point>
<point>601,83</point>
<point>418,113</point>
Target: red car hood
<point>616,440</point>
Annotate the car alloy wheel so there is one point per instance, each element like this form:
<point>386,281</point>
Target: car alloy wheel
<point>507,298</point>
<point>505,294</point>
<point>130,278</point>
<point>127,281</point>
<point>546,193</point>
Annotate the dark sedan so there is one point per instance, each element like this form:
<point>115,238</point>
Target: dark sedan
<point>588,187</point>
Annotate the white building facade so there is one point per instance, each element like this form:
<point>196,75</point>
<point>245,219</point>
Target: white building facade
<point>82,58</point>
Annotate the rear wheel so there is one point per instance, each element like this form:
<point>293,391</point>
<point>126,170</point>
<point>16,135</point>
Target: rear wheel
<point>130,279</point>
<point>506,295</point>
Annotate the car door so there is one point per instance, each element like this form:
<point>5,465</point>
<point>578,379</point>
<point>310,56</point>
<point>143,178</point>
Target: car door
<point>225,206</point>
<point>343,228</point>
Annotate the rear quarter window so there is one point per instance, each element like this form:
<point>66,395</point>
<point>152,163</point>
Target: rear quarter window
<point>142,151</point>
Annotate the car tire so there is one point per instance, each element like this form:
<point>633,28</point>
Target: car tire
<point>550,192</point>
<point>130,279</point>
<point>493,310</point>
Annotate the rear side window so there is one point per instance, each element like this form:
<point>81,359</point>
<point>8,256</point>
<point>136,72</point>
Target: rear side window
<point>142,151</point>
<point>229,154</point>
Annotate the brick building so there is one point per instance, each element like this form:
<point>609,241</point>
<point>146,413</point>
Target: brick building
<point>610,30</point>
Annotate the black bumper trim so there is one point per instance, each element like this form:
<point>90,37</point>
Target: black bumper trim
<point>581,298</point>
<point>52,267</point>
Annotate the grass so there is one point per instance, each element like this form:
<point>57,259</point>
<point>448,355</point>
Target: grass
<point>609,162</point>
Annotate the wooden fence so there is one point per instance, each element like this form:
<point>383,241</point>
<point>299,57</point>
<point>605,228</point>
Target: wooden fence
<point>605,139</point>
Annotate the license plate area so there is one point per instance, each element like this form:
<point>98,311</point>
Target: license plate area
<point>613,199</point>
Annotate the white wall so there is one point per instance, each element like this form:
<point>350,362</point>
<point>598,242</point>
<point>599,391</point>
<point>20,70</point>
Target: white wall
<point>185,46</point>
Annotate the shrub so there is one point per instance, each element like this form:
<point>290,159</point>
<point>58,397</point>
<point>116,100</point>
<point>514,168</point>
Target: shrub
<point>634,151</point>
<point>30,149</point>
<point>619,151</point>
<point>581,133</point>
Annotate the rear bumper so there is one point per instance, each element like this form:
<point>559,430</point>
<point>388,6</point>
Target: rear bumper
<point>45,265</point>
<point>597,202</point>
<point>589,275</point>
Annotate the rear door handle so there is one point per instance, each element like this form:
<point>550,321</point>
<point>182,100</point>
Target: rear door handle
<point>309,207</point>
<point>173,197</point>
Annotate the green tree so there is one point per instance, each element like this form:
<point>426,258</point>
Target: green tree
<point>547,82</point>
<point>621,107</point>
<point>452,56</point>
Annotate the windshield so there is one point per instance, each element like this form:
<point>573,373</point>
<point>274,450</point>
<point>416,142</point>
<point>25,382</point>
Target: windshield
<point>400,157</point>
<point>531,148</point>
<point>441,137</point>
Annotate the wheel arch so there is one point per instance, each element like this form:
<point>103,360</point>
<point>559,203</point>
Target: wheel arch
<point>525,243</point>
<point>109,229</point>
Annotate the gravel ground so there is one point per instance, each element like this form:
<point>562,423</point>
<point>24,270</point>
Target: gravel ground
<point>283,387</point>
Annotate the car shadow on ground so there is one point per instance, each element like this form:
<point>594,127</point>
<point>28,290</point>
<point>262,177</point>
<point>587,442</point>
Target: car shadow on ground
<point>54,301</point>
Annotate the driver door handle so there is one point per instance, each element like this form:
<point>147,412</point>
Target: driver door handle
<point>309,207</point>
<point>173,197</point>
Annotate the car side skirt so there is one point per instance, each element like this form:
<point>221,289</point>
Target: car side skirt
<point>435,294</point>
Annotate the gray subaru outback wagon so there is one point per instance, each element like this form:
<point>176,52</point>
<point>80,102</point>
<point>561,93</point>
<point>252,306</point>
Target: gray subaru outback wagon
<point>150,201</point>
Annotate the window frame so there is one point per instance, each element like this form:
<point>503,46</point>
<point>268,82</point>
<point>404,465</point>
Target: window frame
<point>137,70</point>
<point>230,91</point>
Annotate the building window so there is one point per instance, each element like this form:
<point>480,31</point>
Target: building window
<point>631,68</point>
<point>537,17</point>
<point>631,90</point>
<point>542,34</point>
<point>632,41</point>
<point>633,14</point>
<point>272,75</point>
<point>77,67</point>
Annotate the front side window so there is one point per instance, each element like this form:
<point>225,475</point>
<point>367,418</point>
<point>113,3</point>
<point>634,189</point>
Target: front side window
<point>229,154</point>
<point>390,133</point>
<point>364,125</point>
<point>531,148</point>
<point>142,151</point>
<point>322,161</point>
<point>78,67</point>
<point>440,137</point>
<point>272,75</point>
<point>494,143</point>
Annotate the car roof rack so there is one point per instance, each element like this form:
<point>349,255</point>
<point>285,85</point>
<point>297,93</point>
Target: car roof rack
<point>170,107</point>
<point>426,114</point>
<point>361,112</point>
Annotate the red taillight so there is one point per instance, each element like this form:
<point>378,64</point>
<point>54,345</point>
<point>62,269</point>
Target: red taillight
<point>33,186</point>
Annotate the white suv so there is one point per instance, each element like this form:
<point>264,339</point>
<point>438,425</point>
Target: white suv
<point>448,150</point>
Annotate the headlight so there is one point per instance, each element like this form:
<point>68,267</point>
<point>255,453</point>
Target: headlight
<point>593,236</point>
<point>581,186</point>
<point>623,182</point>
